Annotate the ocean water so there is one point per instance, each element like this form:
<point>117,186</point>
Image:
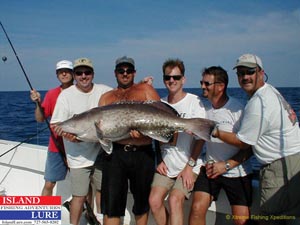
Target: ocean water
<point>17,121</point>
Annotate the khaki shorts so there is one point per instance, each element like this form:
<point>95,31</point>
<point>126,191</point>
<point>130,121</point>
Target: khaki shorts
<point>171,183</point>
<point>97,179</point>
<point>81,179</point>
<point>280,183</point>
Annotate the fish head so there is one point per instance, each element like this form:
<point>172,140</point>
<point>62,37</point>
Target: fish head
<point>81,126</point>
<point>71,126</point>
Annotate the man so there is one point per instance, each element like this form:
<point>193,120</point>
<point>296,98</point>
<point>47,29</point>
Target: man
<point>81,156</point>
<point>180,165</point>
<point>271,127</point>
<point>225,172</point>
<point>56,167</point>
<point>131,159</point>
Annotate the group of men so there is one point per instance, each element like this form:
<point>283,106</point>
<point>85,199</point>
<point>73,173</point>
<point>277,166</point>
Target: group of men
<point>271,129</point>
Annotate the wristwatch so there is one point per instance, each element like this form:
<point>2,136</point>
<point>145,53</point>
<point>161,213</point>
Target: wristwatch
<point>192,162</point>
<point>227,165</point>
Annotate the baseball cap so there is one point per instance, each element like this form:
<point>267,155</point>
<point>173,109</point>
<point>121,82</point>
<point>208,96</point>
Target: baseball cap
<point>125,60</point>
<point>64,64</point>
<point>249,60</point>
<point>83,62</point>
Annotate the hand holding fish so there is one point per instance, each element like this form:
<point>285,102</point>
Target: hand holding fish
<point>70,137</point>
<point>59,131</point>
<point>135,134</point>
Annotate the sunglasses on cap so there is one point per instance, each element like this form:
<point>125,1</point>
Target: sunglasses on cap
<point>86,72</point>
<point>244,72</point>
<point>175,77</point>
<point>123,71</point>
<point>206,83</point>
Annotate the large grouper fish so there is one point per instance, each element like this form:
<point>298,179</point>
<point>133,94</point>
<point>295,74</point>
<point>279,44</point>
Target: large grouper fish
<point>114,122</point>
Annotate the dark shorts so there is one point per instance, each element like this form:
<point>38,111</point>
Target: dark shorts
<point>55,169</point>
<point>136,166</point>
<point>237,189</point>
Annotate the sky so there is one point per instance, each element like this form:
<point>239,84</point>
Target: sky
<point>202,33</point>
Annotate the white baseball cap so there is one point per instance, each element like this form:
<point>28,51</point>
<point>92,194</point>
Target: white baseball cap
<point>64,64</point>
<point>249,60</point>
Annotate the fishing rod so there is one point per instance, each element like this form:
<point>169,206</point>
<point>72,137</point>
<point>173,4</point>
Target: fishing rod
<point>59,147</point>
<point>37,102</point>
<point>24,141</point>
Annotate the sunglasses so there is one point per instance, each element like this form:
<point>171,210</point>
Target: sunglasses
<point>175,77</point>
<point>86,72</point>
<point>206,83</point>
<point>246,72</point>
<point>64,71</point>
<point>123,71</point>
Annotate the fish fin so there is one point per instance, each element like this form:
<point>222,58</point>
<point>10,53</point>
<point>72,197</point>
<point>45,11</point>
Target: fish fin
<point>164,137</point>
<point>106,145</point>
<point>201,127</point>
<point>98,130</point>
<point>155,104</point>
<point>163,106</point>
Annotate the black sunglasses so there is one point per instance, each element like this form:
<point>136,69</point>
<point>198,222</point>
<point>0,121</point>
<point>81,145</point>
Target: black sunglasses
<point>246,72</point>
<point>175,77</point>
<point>86,72</point>
<point>206,83</point>
<point>59,71</point>
<point>123,71</point>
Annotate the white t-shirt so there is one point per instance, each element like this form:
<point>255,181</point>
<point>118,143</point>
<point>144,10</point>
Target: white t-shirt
<point>72,101</point>
<point>176,157</point>
<point>270,126</point>
<point>228,118</point>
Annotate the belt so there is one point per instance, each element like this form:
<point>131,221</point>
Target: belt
<point>131,148</point>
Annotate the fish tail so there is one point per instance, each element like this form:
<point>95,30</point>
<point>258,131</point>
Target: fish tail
<point>200,127</point>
